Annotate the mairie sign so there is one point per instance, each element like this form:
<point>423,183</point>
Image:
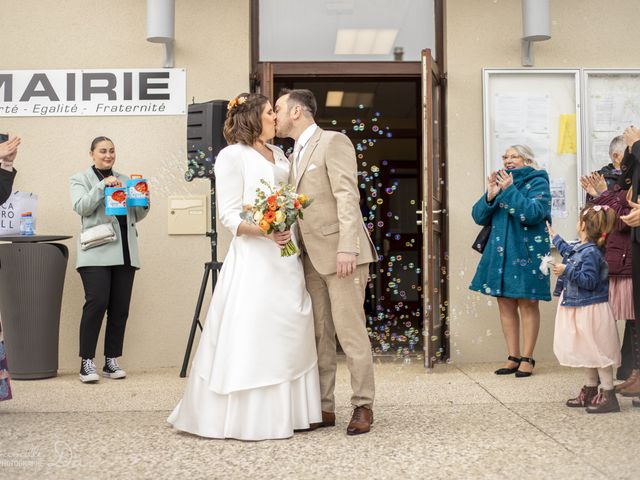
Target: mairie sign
<point>54,93</point>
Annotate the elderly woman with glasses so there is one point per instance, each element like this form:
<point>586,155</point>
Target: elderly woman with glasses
<point>516,205</point>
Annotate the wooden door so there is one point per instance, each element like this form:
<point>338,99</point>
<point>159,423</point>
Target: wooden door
<point>434,216</point>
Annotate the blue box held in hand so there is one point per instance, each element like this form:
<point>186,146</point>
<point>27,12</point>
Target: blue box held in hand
<point>115,200</point>
<point>137,189</point>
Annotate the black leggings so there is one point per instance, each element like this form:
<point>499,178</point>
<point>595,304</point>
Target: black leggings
<point>106,289</point>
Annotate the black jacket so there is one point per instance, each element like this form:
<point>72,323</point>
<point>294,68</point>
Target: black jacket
<point>631,178</point>
<point>6,184</point>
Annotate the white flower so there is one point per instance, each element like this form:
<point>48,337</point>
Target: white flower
<point>257,216</point>
<point>280,216</point>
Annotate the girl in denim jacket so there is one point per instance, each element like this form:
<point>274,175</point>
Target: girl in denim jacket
<point>585,334</point>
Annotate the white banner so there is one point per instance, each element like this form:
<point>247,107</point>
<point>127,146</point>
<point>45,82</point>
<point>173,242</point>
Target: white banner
<point>56,93</point>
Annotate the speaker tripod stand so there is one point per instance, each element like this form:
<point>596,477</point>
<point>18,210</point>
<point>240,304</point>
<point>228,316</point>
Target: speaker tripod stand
<point>210,268</point>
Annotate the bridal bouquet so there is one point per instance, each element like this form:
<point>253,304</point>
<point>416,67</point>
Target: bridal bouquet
<point>277,211</point>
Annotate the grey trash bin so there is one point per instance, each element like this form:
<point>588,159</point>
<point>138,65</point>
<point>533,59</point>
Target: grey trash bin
<point>31,284</point>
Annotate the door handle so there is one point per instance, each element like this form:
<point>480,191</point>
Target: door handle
<point>437,211</point>
<point>435,222</point>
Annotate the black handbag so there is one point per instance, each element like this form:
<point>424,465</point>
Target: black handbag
<point>481,240</point>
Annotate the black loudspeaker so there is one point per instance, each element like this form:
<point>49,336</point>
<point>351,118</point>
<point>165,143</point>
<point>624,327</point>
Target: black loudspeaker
<point>205,122</point>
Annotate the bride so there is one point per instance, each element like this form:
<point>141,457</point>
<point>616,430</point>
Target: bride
<point>255,373</point>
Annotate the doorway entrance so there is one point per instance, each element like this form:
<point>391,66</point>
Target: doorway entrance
<point>389,112</point>
<point>382,119</point>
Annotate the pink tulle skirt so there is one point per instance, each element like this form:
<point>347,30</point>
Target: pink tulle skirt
<point>621,298</point>
<point>586,336</point>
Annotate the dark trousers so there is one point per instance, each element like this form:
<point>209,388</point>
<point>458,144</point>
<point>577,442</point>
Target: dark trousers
<point>635,276</point>
<point>630,350</point>
<point>631,334</point>
<point>106,289</point>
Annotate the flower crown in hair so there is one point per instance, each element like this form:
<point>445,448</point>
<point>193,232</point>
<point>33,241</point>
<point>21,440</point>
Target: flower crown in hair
<point>235,102</point>
<point>596,208</point>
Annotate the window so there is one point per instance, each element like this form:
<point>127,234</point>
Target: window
<point>345,30</point>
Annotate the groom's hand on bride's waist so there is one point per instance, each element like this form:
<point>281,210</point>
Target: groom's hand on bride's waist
<point>345,264</point>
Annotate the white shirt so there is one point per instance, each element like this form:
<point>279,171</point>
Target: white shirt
<point>303,139</point>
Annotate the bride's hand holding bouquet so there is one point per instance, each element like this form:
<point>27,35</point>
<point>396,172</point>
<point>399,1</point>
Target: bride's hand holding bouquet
<point>276,212</point>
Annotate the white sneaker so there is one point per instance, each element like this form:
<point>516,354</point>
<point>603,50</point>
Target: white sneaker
<point>88,372</point>
<point>111,369</point>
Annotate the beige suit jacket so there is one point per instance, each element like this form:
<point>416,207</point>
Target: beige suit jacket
<point>327,172</point>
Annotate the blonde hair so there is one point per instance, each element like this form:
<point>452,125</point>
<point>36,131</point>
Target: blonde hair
<point>599,221</point>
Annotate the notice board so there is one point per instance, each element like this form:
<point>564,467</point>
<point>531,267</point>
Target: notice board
<point>612,102</point>
<point>540,109</point>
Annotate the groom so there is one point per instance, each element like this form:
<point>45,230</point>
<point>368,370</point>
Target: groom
<point>337,252</point>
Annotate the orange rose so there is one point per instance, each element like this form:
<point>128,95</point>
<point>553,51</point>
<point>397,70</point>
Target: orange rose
<point>264,225</point>
<point>273,207</point>
<point>269,216</point>
<point>302,198</point>
<point>272,199</point>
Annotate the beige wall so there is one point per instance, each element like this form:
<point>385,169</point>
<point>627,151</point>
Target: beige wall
<point>486,33</point>
<point>212,43</point>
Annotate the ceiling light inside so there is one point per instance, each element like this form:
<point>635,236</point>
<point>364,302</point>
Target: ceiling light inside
<point>357,100</point>
<point>334,98</point>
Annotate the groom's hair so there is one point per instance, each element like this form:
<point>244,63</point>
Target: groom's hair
<point>300,96</point>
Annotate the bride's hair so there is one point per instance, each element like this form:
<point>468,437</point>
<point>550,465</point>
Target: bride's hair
<point>244,118</point>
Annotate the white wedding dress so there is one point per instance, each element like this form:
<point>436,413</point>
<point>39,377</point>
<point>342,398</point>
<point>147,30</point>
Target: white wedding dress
<point>255,374</point>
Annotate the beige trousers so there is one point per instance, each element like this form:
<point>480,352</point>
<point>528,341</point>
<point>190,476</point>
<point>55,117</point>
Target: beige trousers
<point>338,310</point>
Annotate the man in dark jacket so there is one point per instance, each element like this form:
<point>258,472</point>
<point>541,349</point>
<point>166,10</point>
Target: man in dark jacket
<point>631,178</point>
<point>8,152</point>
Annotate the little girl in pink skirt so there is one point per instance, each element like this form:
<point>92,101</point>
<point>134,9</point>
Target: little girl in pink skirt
<point>585,334</point>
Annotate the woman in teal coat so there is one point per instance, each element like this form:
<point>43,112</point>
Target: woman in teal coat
<point>107,270</point>
<point>516,205</point>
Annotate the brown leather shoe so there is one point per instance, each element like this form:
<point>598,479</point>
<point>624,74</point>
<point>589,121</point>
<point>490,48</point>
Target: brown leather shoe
<point>361,421</point>
<point>632,389</point>
<point>584,397</point>
<point>328,420</point>
<point>605,402</point>
<point>635,375</point>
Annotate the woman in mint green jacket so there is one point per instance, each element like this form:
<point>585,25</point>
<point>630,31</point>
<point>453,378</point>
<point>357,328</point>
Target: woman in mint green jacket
<point>107,271</point>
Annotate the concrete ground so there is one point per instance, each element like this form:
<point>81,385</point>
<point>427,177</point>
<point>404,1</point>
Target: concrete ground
<point>459,421</point>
